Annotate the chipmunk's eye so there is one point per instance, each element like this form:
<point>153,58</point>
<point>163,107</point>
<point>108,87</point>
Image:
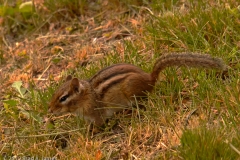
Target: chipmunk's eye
<point>62,99</point>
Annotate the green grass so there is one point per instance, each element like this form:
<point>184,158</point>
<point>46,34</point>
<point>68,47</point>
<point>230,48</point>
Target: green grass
<point>192,113</point>
<point>203,143</point>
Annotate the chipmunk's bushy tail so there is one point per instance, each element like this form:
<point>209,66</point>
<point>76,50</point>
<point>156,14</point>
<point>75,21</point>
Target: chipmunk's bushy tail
<point>187,59</point>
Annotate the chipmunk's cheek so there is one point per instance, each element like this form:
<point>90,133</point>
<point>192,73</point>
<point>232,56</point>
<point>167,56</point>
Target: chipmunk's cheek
<point>72,106</point>
<point>56,109</point>
<point>64,109</point>
<point>72,109</point>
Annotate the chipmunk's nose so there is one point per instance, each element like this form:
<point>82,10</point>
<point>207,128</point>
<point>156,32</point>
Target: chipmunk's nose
<point>49,110</point>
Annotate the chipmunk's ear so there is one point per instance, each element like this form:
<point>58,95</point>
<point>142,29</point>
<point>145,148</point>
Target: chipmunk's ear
<point>75,85</point>
<point>69,77</point>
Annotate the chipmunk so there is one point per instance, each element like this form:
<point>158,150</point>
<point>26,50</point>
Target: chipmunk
<point>113,88</point>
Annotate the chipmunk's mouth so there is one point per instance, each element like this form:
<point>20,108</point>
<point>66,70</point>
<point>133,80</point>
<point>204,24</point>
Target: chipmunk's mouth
<point>60,111</point>
<point>55,112</point>
<point>50,110</point>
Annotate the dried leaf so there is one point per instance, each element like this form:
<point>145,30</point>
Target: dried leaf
<point>98,155</point>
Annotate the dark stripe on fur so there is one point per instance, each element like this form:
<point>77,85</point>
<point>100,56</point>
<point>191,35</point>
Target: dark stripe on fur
<point>107,87</point>
<point>96,80</point>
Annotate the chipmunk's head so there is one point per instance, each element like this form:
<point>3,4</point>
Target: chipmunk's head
<point>68,97</point>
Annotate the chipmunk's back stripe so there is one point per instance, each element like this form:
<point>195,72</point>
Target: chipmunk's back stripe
<point>111,83</point>
<point>111,72</point>
<point>103,70</point>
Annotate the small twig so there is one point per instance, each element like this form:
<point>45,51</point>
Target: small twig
<point>50,36</point>
<point>50,134</point>
<point>44,72</point>
<point>5,42</point>
<point>46,21</point>
<point>234,148</point>
<point>189,115</point>
<point>144,8</point>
